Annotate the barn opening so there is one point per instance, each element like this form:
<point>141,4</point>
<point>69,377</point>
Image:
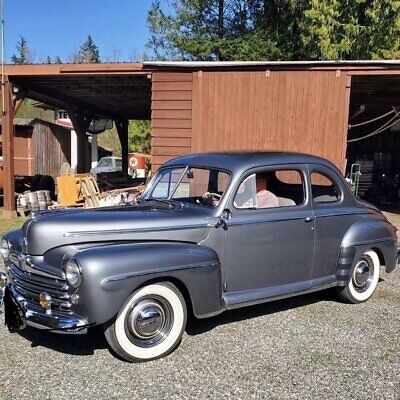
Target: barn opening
<point>115,92</point>
<point>373,142</point>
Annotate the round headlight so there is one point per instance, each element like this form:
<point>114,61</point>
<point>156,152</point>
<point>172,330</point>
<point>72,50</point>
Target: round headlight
<point>73,273</point>
<point>5,248</point>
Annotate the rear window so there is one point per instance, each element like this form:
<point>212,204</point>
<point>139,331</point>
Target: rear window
<point>324,189</point>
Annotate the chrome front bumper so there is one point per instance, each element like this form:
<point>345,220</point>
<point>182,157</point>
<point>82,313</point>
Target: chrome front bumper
<point>36,317</point>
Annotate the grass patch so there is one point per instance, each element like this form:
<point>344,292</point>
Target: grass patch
<point>7,224</point>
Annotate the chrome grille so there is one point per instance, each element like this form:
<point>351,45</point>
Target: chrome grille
<point>30,285</point>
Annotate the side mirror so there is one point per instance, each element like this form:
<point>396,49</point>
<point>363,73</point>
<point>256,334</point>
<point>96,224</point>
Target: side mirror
<point>226,215</point>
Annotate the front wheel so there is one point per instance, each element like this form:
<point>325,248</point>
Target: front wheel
<point>150,324</point>
<point>364,279</point>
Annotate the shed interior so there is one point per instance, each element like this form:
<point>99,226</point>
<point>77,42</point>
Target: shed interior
<point>374,137</point>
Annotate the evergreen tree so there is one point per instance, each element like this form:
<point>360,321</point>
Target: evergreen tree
<point>139,136</point>
<point>24,55</point>
<point>274,29</point>
<point>48,60</point>
<point>344,29</point>
<point>57,60</point>
<point>88,52</point>
<point>224,29</point>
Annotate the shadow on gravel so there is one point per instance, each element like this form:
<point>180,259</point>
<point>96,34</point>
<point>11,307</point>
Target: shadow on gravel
<point>199,326</point>
<point>82,345</point>
<point>85,345</point>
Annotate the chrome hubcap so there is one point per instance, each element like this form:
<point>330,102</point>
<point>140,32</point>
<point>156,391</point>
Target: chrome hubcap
<point>146,319</point>
<point>363,274</point>
<point>149,321</point>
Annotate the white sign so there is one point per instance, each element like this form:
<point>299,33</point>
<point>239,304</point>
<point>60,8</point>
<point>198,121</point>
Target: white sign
<point>61,117</point>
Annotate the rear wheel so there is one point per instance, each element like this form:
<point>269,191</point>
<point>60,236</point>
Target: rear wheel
<point>150,324</point>
<point>364,279</point>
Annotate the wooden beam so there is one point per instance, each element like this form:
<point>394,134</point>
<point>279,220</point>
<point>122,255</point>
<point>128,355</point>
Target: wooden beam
<point>55,98</point>
<point>122,129</point>
<point>81,123</point>
<point>84,69</point>
<point>8,152</point>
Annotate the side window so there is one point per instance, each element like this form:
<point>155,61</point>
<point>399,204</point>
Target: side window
<point>271,189</point>
<point>323,188</point>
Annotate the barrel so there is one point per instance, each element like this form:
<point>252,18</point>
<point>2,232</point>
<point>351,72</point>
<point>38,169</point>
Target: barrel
<point>48,197</point>
<point>33,201</point>
<point>42,201</point>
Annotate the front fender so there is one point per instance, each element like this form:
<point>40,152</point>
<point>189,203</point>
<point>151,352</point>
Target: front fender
<point>377,234</point>
<point>112,272</point>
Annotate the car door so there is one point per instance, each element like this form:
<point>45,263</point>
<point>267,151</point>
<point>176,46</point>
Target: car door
<point>269,250</point>
<point>334,213</point>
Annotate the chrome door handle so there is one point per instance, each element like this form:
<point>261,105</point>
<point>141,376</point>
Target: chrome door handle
<point>309,219</point>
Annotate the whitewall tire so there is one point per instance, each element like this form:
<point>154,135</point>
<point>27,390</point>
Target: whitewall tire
<point>364,279</point>
<point>149,324</point>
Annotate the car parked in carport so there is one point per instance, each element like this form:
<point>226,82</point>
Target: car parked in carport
<point>107,164</point>
<point>211,232</point>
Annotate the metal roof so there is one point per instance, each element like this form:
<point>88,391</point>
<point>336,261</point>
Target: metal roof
<point>218,64</point>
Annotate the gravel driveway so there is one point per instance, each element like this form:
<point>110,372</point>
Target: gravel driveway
<point>309,347</point>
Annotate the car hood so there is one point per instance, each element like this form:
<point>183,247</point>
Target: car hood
<point>135,223</point>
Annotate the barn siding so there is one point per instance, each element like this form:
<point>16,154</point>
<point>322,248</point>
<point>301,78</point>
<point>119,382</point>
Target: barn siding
<point>171,112</point>
<point>52,148</point>
<point>279,110</point>
<point>24,162</point>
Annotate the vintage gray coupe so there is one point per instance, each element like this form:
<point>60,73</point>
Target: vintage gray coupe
<point>210,233</point>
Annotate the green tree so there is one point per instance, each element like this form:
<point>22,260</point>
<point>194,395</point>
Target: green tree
<point>57,60</point>
<point>345,29</point>
<point>274,29</point>
<point>139,136</point>
<point>24,54</point>
<point>88,52</point>
<point>209,30</point>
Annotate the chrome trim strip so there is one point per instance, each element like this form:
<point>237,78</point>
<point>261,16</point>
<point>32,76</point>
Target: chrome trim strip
<point>262,221</point>
<point>121,277</point>
<point>138,230</point>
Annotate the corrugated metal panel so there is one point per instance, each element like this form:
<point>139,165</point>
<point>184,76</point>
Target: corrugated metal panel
<point>280,110</point>
<point>171,116</point>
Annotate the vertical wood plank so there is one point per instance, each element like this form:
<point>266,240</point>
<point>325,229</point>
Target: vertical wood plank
<point>8,152</point>
<point>289,110</point>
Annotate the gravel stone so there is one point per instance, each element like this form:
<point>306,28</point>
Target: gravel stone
<point>307,347</point>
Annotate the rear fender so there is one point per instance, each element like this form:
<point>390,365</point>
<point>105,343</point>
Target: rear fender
<point>375,234</point>
<point>111,273</point>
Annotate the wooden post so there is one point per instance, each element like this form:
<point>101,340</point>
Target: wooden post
<point>8,152</point>
<point>122,129</point>
<point>81,124</point>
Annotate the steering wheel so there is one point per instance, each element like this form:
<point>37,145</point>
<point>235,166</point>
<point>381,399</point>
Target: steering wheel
<point>209,198</point>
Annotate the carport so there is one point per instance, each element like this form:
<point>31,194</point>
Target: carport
<point>301,106</point>
<point>87,91</point>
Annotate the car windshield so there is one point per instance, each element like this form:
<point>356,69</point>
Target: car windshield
<point>197,185</point>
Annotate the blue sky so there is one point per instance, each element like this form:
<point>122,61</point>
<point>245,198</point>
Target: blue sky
<point>55,27</point>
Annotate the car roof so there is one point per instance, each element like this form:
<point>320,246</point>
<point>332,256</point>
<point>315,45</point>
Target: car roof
<point>240,161</point>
